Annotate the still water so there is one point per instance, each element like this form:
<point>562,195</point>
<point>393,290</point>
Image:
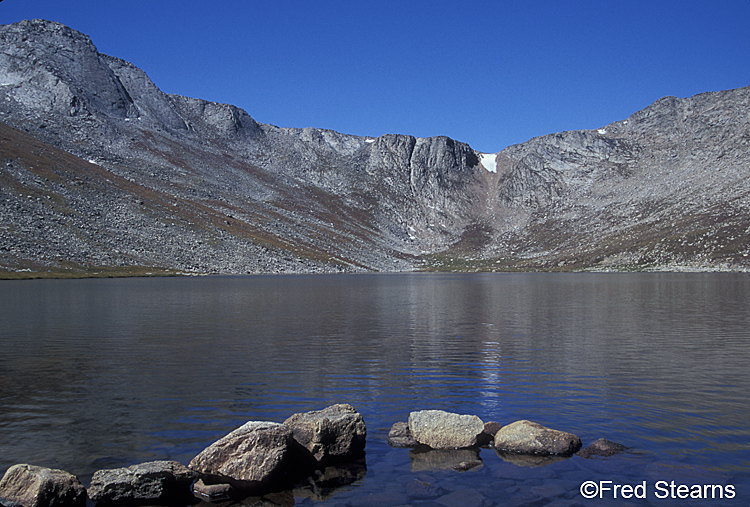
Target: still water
<point>107,373</point>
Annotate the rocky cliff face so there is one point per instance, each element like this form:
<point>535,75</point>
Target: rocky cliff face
<point>102,172</point>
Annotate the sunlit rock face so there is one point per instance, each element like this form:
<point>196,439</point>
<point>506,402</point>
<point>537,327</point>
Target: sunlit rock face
<point>527,437</point>
<point>445,430</point>
<point>102,170</point>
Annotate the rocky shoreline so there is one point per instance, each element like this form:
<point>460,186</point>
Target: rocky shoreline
<point>310,454</point>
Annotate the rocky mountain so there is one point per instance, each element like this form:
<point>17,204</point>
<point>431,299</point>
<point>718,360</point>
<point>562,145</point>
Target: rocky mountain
<point>102,173</point>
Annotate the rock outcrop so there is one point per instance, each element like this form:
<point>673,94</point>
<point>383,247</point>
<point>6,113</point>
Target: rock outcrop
<point>527,437</point>
<point>444,430</point>
<point>155,483</point>
<point>103,172</point>
<point>35,486</point>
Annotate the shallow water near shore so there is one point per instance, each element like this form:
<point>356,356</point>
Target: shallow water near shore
<point>105,373</point>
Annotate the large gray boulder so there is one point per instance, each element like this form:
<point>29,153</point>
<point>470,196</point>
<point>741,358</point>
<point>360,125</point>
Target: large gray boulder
<point>334,434</point>
<point>253,454</point>
<point>528,437</point>
<point>156,481</point>
<point>444,430</point>
<point>34,486</point>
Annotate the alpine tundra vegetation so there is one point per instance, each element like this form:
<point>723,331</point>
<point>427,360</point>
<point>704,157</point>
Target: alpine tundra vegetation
<point>104,174</point>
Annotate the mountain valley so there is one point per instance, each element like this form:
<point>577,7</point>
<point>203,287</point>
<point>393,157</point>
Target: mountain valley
<point>103,174</point>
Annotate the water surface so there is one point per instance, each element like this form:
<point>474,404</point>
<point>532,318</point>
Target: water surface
<point>107,373</point>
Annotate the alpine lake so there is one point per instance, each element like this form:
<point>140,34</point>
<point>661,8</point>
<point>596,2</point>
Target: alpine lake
<point>106,373</point>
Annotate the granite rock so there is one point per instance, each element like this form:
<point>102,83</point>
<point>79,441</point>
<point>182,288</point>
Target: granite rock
<point>527,437</point>
<point>252,455</point>
<point>161,482</point>
<point>399,436</point>
<point>332,435</point>
<point>601,447</point>
<point>444,430</point>
<point>35,486</point>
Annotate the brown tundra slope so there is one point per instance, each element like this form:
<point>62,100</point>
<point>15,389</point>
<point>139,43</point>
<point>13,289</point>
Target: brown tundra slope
<point>102,173</point>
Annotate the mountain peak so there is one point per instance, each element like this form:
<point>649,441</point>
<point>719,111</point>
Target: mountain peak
<point>196,186</point>
<point>64,67</point>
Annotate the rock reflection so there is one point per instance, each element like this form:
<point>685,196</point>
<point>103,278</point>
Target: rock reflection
<point>318,487</point>
<point>424,459</point>
<point>280,499</point>
<point>529,460</point>
<point>325,482</point>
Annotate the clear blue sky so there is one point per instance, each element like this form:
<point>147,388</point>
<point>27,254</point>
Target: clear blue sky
<point>489,73</point>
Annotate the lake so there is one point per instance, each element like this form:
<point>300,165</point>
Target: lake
<point>105,373</point>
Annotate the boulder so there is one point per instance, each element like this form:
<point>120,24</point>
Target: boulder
<point>487,436</point>
<point>528,437</point>
<point>162,482</point>
<point>332,435</point>
<point>399,436</point>
<point>601,447</point>
<point>444,430</point>
<point>34,486</point>
<point>253,455</point>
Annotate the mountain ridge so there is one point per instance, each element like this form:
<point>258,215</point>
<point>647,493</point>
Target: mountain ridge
<point>664,189</point>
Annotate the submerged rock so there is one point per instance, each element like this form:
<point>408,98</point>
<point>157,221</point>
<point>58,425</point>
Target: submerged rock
<point>467,465</point>
<point>465,497</point>
<point>332,435</point>
<point>254,454</point>
<point>34,486</point>
<point>399,436</point>
<point>601,447</point>
<point>164,482</point>
<point>444,430</point>
<point>528,437</point>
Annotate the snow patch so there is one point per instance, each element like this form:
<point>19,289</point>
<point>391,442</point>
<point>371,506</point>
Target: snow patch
<point>489,161</point>
<point>602,131</point>
<point>369,140</point>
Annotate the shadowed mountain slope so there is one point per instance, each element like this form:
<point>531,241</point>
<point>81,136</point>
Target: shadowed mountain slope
<point>101,172</point>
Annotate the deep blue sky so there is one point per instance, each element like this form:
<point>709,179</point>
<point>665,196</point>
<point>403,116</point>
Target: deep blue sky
<point>489,73</point>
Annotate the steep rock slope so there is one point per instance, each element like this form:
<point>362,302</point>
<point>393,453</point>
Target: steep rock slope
<point>667,187</point>
<point>103,172</point>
